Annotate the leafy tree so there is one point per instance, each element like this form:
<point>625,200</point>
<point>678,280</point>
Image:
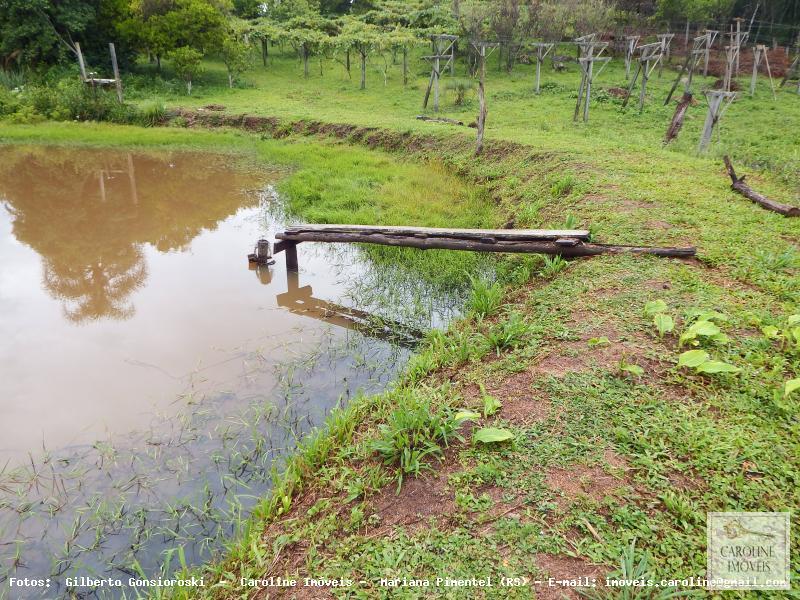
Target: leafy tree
<point>266,31</point>
<point>34,32</point>
<point>363,38</point>
<point>309,35</point>
<point>160,26</point>
<point>248,9</point>
<point>236,56</point>
<point>186,62</point>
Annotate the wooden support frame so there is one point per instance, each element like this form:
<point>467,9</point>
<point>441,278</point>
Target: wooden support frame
<point>759,54</point>
<point>481,48</point>
<point>542,50</point>
<point>650,58</point>
<point>718,101</point>
<point>699,48</point>
<point>589,50</point>
<point>443,49</point>
<point>90,79</point>
<point>711,35</point>
<point>631,43</point>
<point>666,49</point>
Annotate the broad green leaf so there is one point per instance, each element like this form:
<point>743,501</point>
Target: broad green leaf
<point>704,328</point>
<point>716,366</point>
<point>466,415</point>
<point>490,435</point>
<point>720,338</point>
<point>791,386</point>
<point>692,358</point>
<point>633,369</point>
<point>654,307</point>
<point>795,331</point>
<point>598,341</point>
<point>664,323</point>
<point>770,331</point>
<point>490,405</point>
<point>793,320</point>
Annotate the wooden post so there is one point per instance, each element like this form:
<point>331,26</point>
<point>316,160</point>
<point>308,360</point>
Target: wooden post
<point>589,74</point>
<point>542,50</point>
<point>81,64</point>
<point>291,256</point>
<point>643,90</point>
<point>715,100</point>
<point>630,49</point>
<point>115,67</point>
<point>405,66</point>
<point>481,99</point>
<point>436,83</point>
<point>757,52</point>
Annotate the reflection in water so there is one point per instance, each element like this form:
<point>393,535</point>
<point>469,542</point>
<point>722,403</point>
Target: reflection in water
<point>88,215</point>
<point>158,420</point>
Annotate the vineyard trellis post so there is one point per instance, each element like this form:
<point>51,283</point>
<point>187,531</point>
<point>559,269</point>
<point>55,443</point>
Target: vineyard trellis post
<point>718,101</point>
<point>589,50</point>
<point>631,42</point>
<point>542,50</point>
<point>481,48</point>
<point>699,47</point>
<point>650,58</point>
<point>666,51</point>
<point>442,49</point>
<point>711,35</point>
<point>759,54</point>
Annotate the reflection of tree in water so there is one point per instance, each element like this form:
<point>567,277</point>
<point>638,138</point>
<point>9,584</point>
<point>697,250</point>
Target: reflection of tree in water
<point>89,214</point>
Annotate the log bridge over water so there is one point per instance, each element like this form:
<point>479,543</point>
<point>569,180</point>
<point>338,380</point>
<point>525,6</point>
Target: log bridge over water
<point>567,243</point>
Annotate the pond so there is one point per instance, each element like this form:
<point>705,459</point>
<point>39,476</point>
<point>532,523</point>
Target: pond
<point>150,378</point>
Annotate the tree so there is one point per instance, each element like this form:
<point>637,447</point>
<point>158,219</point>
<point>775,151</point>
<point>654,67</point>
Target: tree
<point>266,31</point>
<point>35,32</point>
<point>236,56</point>
<point>186,62</point>
<point>160,26</point>
<point>308,34</point>
<point>363,38</point>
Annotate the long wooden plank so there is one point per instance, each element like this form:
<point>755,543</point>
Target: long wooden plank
<point>566,246</point>
<point>439,232</point>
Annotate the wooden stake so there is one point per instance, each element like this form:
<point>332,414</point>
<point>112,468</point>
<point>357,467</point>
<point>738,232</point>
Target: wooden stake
<point>115,67</point>
<point>715,107</point>
<point>81,64</point>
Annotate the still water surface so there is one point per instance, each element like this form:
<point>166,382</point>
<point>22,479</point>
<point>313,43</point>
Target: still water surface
<point>148,377</point>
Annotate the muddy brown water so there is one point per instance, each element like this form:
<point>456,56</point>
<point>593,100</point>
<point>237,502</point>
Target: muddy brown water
<point>149,379</point>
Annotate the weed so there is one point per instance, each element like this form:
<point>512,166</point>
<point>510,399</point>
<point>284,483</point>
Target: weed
<point>509,333</point>
<point>415,432</point>
<point>485,298</point>
<point>553,265</point>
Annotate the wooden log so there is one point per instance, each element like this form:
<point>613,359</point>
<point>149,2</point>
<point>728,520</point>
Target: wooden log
<point>677,119</point>
<point>428,232</point>
<point>738,185</point>
<point>439,120</point>
<point>568,247</point>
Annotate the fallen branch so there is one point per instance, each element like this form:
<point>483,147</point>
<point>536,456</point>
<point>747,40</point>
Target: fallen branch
<point>745,190</point>
<point>440,120</point>
<point>677,118</point>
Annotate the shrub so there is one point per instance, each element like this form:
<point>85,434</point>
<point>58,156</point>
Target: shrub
<point>460,89</point>
<point>151,113</point>
<point>485,298</point>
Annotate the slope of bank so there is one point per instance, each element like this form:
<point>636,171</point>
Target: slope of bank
<point>613,443</point>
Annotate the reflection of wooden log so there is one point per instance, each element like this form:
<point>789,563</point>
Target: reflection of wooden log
<point>745,190</point>
<point>439,120</point>
<point>677,118</point>
<point>564,246</point>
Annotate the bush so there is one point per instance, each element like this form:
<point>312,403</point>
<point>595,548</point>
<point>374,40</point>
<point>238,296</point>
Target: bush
<point>152,113</point>
<point>9,103</point>
<point>460,88</point>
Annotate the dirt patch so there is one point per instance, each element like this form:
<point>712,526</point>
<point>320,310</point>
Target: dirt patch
<point>564,568</point>
<point>617,92</point>
<point>658,225</point>
<point>214,107</point>
<point>523,404</point>
<point>420,499</point>
<point>581,481</point>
